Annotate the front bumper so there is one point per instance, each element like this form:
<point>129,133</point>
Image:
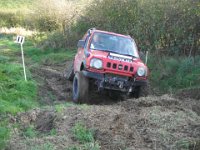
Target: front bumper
<point>114,82</point>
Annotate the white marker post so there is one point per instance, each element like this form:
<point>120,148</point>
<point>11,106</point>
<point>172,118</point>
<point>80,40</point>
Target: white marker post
<point>20,40</point>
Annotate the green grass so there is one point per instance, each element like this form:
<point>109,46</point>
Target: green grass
<point>86,146</point>
<point>30,132</point>
<point>50,56</point>
<point>171,74</point>
<point>45,146</point>
<point>16,95</point>
<point>4,134</point>
<point>82,134</point>
<point>85,136</point>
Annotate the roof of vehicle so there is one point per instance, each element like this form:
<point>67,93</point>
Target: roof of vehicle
<point>92,30</point>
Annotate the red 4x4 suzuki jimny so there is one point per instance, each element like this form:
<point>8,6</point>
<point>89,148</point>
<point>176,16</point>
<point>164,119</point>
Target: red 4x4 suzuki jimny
<point>110,62</point>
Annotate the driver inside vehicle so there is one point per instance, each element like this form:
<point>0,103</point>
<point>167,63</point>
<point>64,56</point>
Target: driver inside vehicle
<point>97,42</point>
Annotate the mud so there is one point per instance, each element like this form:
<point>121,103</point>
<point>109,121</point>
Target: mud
<point>154,122</point>
<point>53,87</point>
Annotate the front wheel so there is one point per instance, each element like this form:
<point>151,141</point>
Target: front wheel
<point>80,88</point>
<point>141,91</point>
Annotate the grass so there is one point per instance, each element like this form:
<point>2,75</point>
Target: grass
<point>85,136</point>
<point>50,57</point>
<point>172,74</point>
<point>168,124</point>
<point>87,146</point>
<point>30,132</point>
<point>82,134</point>
<point>4,134</point>
<point>60,107</point>
<point>17,95</point>
<point>45,146</point>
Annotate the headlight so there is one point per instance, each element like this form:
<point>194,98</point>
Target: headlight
<point>96,63</point>
<point>141,71</point>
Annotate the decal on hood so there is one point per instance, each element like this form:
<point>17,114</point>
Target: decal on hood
<point>119,57</point>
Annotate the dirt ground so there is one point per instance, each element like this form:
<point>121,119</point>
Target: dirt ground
<point>165,122</point>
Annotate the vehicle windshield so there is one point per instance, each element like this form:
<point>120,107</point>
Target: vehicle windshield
<point>114,43</point>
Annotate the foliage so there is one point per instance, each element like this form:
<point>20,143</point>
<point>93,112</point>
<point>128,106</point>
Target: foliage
<point>30,132</point>
<point>45,146</point>
<point>163,27</point>
<point>85,136</point>
<point>50,56</point>
<point>15,93</point>
<point>172,73</point>
<point>82,134</point>
<point>87,146</point>
<point>4,134</point>
<point>169,27</point>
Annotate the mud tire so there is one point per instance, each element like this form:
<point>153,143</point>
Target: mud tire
<point>80,88</point>
<point>141,91</point>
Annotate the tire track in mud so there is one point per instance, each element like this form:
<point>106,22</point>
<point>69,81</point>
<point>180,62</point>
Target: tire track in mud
<point>53,86</point>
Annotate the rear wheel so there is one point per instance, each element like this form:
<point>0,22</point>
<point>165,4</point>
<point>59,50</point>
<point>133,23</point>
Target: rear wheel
<point>80,88</point>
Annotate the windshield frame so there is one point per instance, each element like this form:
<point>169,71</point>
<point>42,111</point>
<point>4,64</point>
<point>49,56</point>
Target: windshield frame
<point>135,48</point>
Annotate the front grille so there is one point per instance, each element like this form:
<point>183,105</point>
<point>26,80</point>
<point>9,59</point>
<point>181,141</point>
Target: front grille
<point>119,67</point>
<point>114,66</point>
<point>131,69</point>
<point>126,68</point>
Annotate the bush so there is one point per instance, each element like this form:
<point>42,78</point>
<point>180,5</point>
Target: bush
<point>172,73</point>
<point>160,26</point>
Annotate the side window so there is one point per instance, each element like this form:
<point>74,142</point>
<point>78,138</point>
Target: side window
<point>86,41</point>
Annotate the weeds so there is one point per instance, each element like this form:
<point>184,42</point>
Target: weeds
<point>87,146</point>
<point>4,135</point>
<point>30,132</point>
<point>172,74</point>
<point>45,146</point>
<point>82,134</point>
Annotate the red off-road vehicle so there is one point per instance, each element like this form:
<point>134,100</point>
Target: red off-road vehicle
<point>107,61</point>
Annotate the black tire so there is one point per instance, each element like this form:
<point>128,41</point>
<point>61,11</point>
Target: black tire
<point>141,91</point>
<point>69,73</point>
<point>80,88</point>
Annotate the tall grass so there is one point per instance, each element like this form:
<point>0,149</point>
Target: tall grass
<point>170,73</point>
<point>16,94</point>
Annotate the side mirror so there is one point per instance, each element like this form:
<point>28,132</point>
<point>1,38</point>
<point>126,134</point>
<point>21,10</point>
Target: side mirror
<point>81,44</point>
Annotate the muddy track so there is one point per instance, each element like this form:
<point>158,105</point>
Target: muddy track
<point>53,87</point>
<point>154,122</point>
<point>147,123</point>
